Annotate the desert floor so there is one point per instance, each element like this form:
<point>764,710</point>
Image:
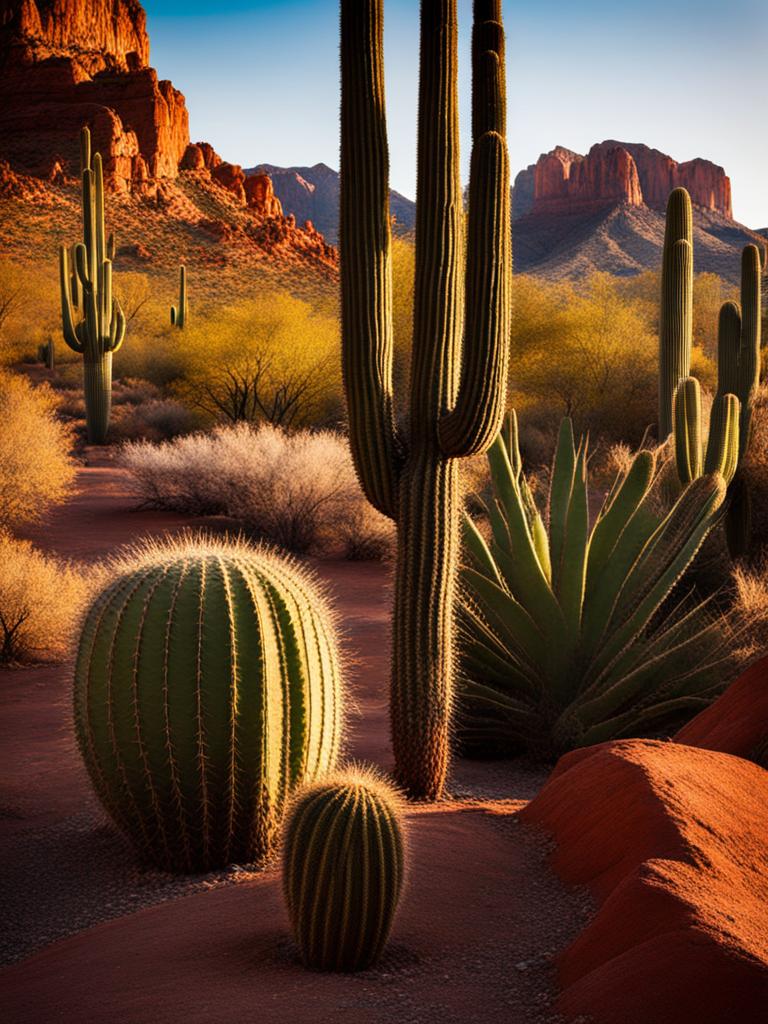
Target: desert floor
<point>88,936</point>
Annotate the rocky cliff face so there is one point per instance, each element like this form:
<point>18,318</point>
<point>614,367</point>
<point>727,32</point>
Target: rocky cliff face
<point>564,182</point>
<point>69,63</point>
<point>65,63</point>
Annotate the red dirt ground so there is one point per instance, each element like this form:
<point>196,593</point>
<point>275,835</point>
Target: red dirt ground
<point>480,923</point>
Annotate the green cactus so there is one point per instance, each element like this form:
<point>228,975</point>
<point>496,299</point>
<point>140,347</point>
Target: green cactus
<point>179,313</point>
<point>207,687</point>
<point>676,317</point>
<point>722,452</point>
<point>93,322</point>
<point>460,340</point>
<point>343,863</point>
<point>562,641</point>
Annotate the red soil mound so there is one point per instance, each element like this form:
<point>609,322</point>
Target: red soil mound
<point>674,841</point>
<point>737,722</point>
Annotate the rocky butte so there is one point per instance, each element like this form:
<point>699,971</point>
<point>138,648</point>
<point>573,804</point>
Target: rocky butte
<point>565,182</point>
<point>68,63</point>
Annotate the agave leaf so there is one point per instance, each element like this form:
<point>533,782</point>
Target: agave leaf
<point>616,516</point>
<point>525,576</point>
<point>660,661</point>
<point>560,496</point>
<point>661,563</point>
<point>474,542</point>
<point>636,722</point>
<point>575,547</point>
<point>507,616</point>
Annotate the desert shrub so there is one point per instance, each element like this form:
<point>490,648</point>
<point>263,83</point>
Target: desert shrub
<point>41,599</point>
<point>35,466</point>
<point>157,419</point>
<point>274,359</point>
<point>29,311</point>
<point>588,352</point>
<point>298,491</point>
<point>750,603</point>
<point>755,474</point>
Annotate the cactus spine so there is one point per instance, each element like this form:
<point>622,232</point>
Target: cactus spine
<point>460,340</point>
<point>676,319</point>
<point>92,320</point>
<point>207,686</point>
<point>343,860</point>
<point>179,313</point>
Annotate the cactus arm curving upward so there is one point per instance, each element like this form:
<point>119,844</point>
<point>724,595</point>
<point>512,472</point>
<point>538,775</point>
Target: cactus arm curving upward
<point>676,321</point>
<point>366,269</point>
<point>477,415</point>
<point>749,348</point>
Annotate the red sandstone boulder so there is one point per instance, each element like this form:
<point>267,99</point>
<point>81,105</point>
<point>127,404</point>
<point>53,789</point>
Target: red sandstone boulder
<point>260,195</point>
<point>672,842</point>
<point>737,722</point>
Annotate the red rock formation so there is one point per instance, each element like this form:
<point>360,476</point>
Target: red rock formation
<point>737,722</point>
<point>260,195</point>
<point>65,63</point>
<point>671,840</point>
<point>616,172</point>
<point>94,35</point>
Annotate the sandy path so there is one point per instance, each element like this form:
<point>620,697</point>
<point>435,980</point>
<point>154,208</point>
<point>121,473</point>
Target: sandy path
<point>479,924</point>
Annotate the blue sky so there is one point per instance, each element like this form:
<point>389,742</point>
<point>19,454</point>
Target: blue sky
<point>689,78</point>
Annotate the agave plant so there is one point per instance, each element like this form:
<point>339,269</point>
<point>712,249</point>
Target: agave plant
<point>570,635</point>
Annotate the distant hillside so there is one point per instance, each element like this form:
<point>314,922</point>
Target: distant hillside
<point>312,193</point>
<point>624,240</point>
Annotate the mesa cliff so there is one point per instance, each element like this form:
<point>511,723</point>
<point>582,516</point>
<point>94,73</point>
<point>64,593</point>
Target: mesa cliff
<point>565,182</point>
<point>69,63</point>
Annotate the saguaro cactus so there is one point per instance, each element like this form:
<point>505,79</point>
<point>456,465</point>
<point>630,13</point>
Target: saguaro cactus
<point>92,320</point>
<point>207,687</point>
<point>179,313</point>
<point>676,319</point>
<point>343,861</point>
<point>460,340</point>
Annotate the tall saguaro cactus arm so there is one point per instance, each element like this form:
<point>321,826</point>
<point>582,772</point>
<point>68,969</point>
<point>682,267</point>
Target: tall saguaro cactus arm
<point>676,321</point>
<point>366,271</point>
<point>476,417</point>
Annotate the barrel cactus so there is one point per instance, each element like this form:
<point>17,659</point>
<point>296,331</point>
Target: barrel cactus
<point>92,321</point>
<point>461,334</point>
<point>207,686</point>
<point>343,858</point>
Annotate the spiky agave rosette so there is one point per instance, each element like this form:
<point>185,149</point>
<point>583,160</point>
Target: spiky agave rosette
<point>208,684</point>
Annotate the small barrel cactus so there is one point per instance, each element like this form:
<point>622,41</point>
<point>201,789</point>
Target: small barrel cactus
<point>343,861</point>
<point>207,687</point>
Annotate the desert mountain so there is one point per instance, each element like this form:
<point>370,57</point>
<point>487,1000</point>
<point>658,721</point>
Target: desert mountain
<point>605,211</point>
<point>66,63</point>
<point>312,193</point>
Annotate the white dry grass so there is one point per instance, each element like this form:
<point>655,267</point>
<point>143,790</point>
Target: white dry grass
<point>298,491</point>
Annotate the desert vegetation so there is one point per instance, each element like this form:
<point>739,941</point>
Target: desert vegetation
<point>572,490</point>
